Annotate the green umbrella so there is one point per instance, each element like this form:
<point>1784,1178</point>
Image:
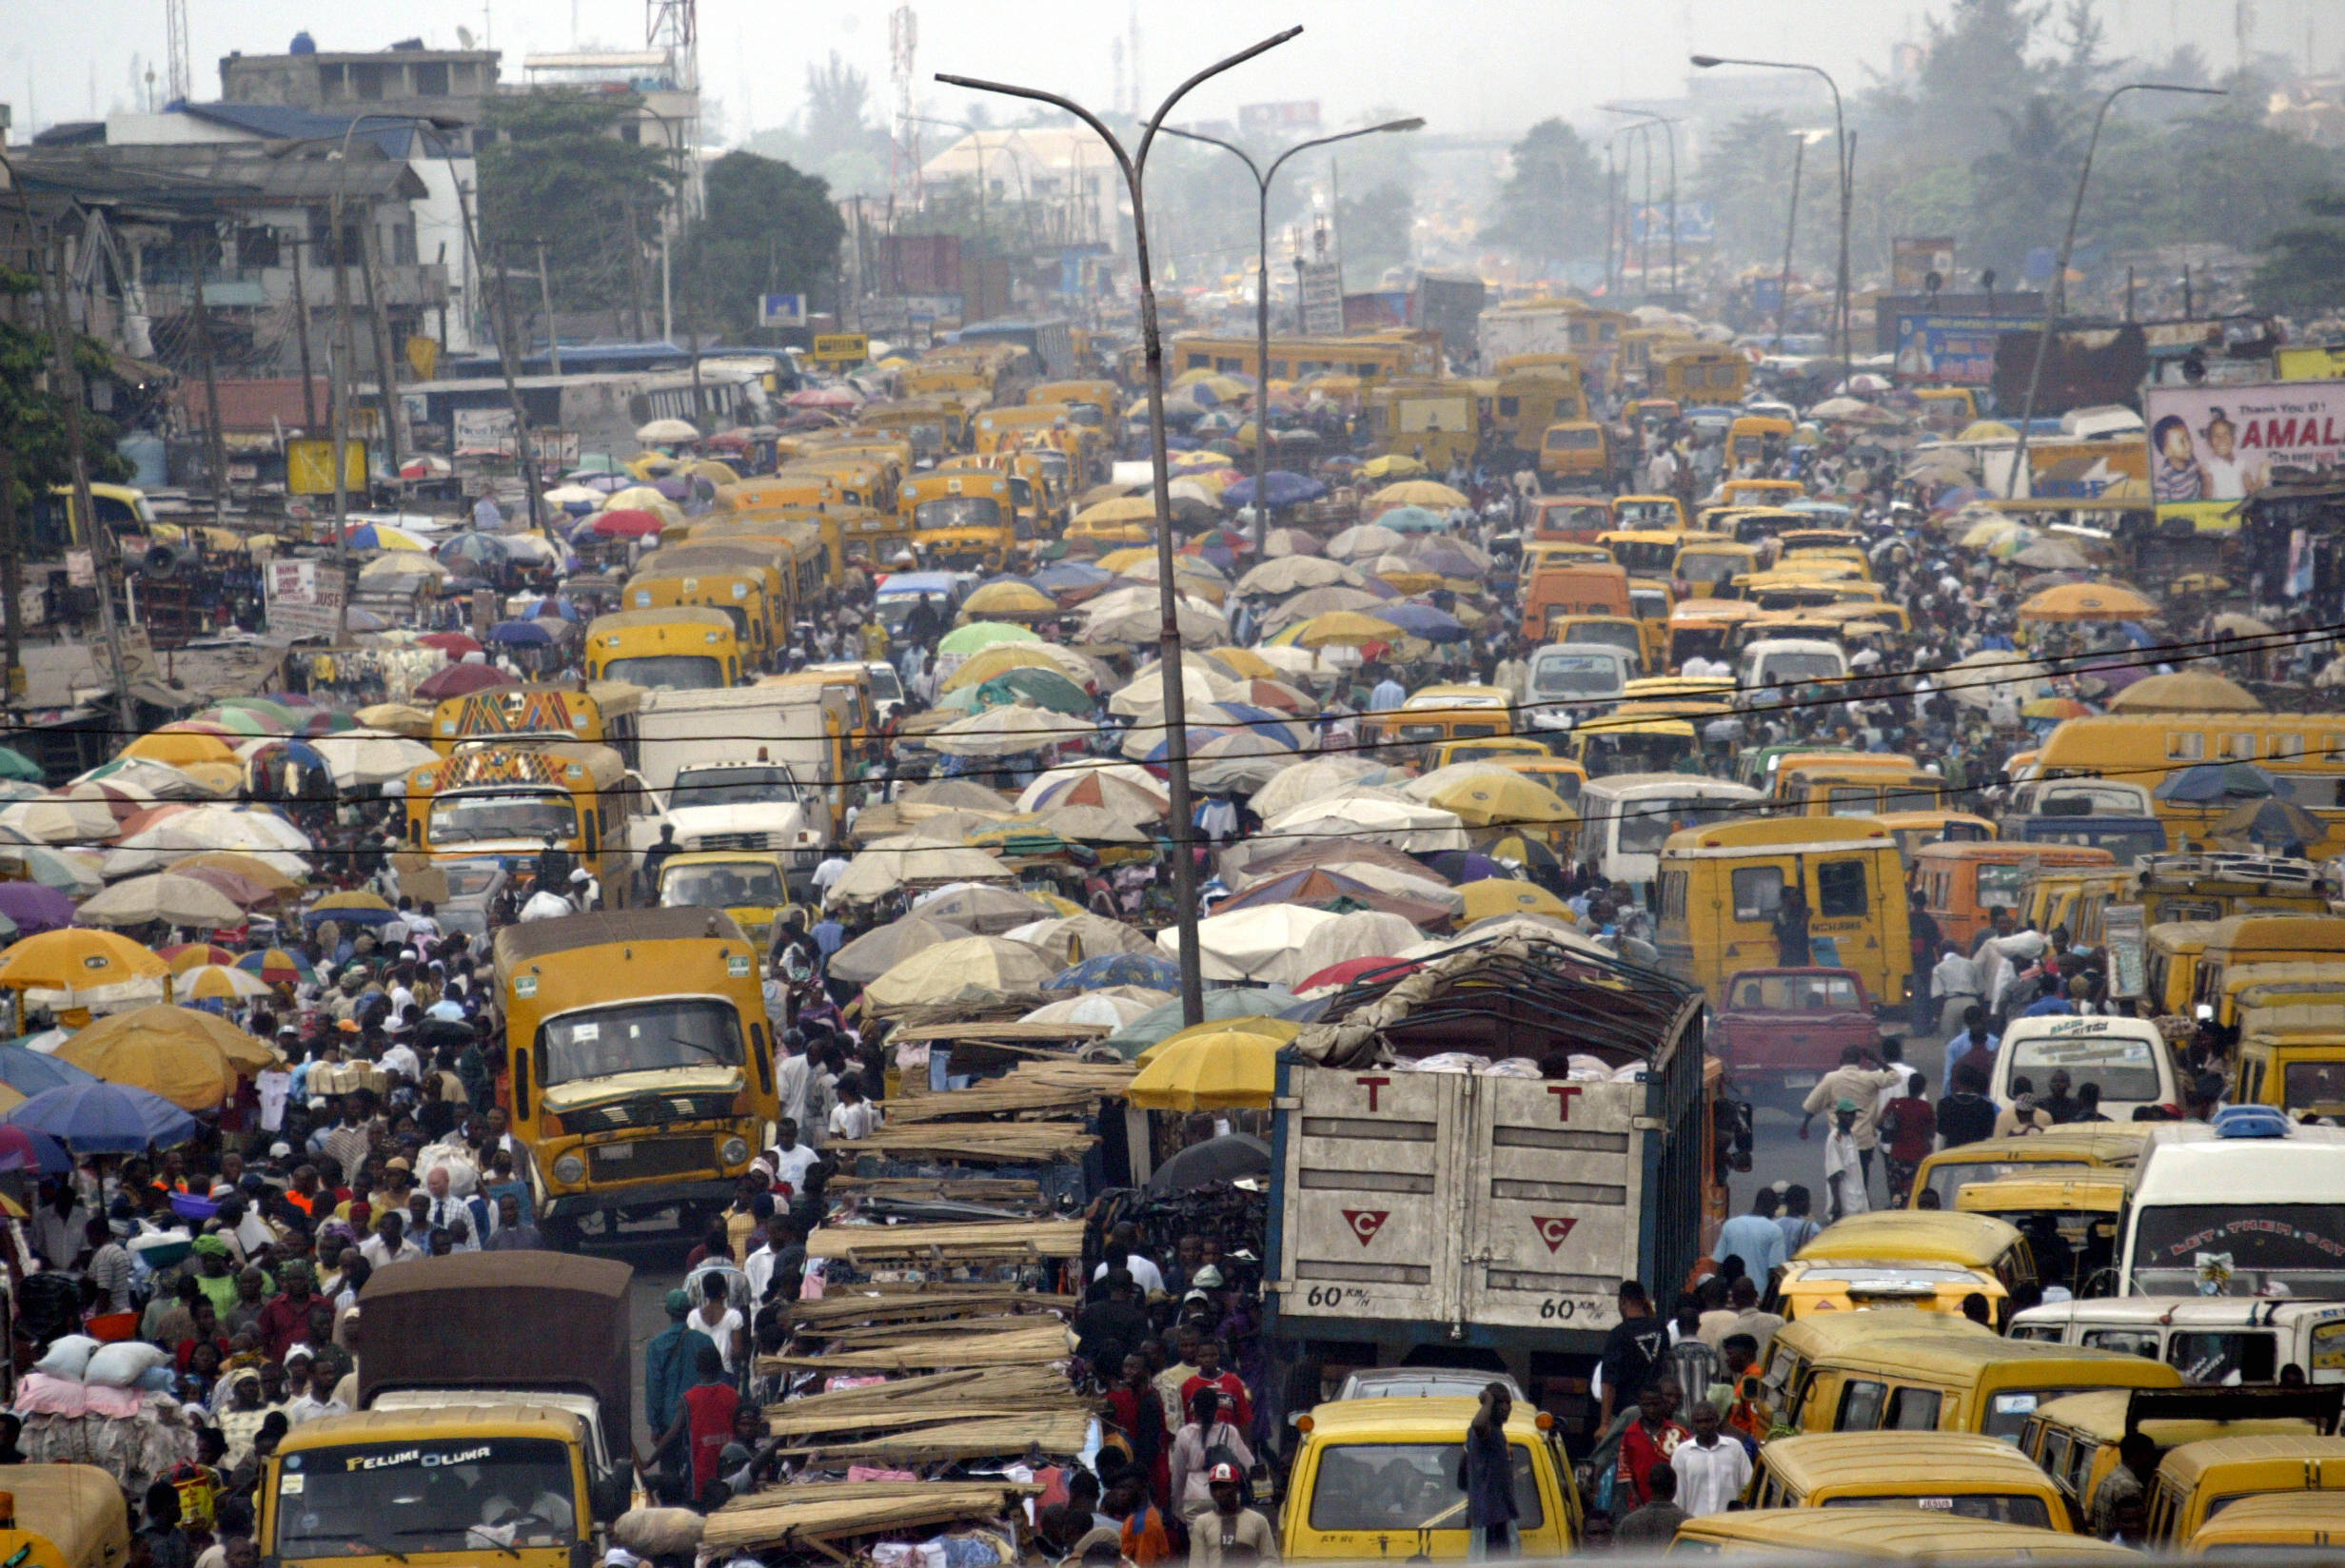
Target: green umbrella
<point>53,870</point>
<point>15,764</point>
<point>980,634</point>
<point>1045,688</point>
<point>244,721</point>
<point>1233,1002</point>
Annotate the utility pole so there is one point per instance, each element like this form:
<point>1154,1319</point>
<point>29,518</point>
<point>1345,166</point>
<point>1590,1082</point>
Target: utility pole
<point>378,325</point>
<point>524,448</point>
<point>11,571</point>
<point>345,351</point>
<point>215,449</point>
<point>301,334</point>
<point>546,296</point>
<point>1791,229</point>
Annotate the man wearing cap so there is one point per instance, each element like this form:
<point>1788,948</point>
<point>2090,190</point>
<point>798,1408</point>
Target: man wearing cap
<point>669,1362</point>
<point>1231,1534</point>
<point>586,892</point>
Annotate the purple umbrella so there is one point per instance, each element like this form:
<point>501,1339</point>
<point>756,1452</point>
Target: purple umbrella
<point>34,907</point>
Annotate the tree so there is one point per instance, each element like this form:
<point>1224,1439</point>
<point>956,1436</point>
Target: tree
<point>769,228</point>
<point>1748,186</point>
<point>1552,205</point>
<point>2302,271</point>
<point>2022,189</point>
<point>1377,232</point>
<point>834,136</point>
<point>33,413</point>
<point>560,175</point>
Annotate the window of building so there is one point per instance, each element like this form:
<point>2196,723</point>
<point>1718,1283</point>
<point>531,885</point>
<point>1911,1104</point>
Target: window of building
<point>430,78</point>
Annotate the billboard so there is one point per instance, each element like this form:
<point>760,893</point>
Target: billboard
<point>1947,350</point>
<point>1323,298</point>
<point>1697,224</point>
<point>1296,117</point>
<point>1914,258</point>
<point>2212,446</point>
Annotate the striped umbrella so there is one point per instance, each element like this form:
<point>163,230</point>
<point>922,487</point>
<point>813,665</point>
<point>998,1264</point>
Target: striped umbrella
<point>278,967</point>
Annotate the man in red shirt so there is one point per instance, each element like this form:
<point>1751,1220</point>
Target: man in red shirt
<point>1238,1403</point>
<point>706,1417</point>
<point>1649,1440</point>
<point>284,1320</point>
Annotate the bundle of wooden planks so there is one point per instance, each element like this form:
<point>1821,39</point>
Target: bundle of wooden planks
<point>979,1143</point>
<point>818,1515</point>
<point>997,1240</point>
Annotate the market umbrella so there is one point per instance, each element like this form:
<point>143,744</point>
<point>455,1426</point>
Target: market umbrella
<point>1010,597</point>
<point>1292,574</point>
<point>1365,541</point>
<point>667,430</point>
<point>30,906</point>
<point>217,983</point>
<point>2051,555</point>
<point>459,681</point>
<point>1239,759</point>
<point>73,872</point>
<point>627,522</point>
<point>2201,784</point>
<point>454,644</point>
<point>971,969</point>
<point>30,1073</point>
<point>1411,519</point>
<point>91,966</point>
<point>1003,657</point>
<point>1109,1010</point>
<point>1337,976</point>
<point>1007,731</point>
<point>1069,939</point>
<point>1494,797</point>
<point>357,758</point>
<point>380,536</point>
<point>16,765</point>
<point>1392,465</point>
<point>1219,1068</point>
<point>279,967</point>
<point>2271,821</point>
<point>1261,944</point>
<point>876,872</point>
<point>163,898</point>
<point>1346,629</point>
<point>2054,708</point>
<point>1494,895</point>
<point>522,634</point>
<point>1315,778</point>
<point>2086,602</point>
<point>1330,888</point>
<point>2185,691</point>
<point>102,1118</point>
<point>1151,970</point>
<point>980,634</point>
<point>181,1065</point>
<point>400,718</point>
<point>183,956</point>
<point>1426,493</point>
<point>1128,791</point>
<point>1283,489</point>
<point>356,907</point>
<point>1421,621</point>
<point>1044,688</point>
<point>268,867</point>
<point>875,953</point>
<point>1220,1005</point>
<point>985,910</point>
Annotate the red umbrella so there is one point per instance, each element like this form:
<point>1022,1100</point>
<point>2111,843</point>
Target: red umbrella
<point>1354,969</point>
<point>455,644</point>
<point>460,679</point>
<point>826,396</point>
<point>627,522</point>
<point>242,891</point>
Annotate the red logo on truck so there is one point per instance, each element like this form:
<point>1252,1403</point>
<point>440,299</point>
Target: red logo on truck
<point>1553,1229</point>
<point>1367,1222</point>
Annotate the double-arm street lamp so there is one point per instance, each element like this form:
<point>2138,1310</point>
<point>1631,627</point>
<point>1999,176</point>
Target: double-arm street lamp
<point>1134,166</point>
<point>1262,290</point>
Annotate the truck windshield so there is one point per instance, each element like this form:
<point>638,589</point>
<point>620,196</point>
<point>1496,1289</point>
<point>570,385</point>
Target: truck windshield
<point>2124,1068</point>
<point>1407,1486</point>
<point>731,787</point>
<point>470,818</point>
<point>1575,675</point>
<point>1789,666</point>
<point>2004,1507</point>
<point>668,1031</point>
<point>958,512</point>
<point>742,885</point>
<point>2240,1249</point>
<point>675,672</point>
<point>1645,514</point>
<point>1646,824</point>
<point>1709,567</point>
<point>438,1495</point>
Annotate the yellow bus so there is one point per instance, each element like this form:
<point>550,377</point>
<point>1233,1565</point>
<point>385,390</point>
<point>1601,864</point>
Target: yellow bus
<point>599,712</point>
<point>681,648</point>
<point>2305,751</point>
<point>962,519</point>
<point>2249,950</point>
<point>1708,373</point>
<point>505,802</point>
<point>641,1062</point>
<point>1722,885</point>
<point>744,586</point>
<point>1369,359</point>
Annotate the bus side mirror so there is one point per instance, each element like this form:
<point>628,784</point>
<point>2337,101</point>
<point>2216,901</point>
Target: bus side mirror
<point>521,1084</point>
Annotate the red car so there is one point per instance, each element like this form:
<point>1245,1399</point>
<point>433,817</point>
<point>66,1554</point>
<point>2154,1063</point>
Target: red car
<point>1783,1029</point>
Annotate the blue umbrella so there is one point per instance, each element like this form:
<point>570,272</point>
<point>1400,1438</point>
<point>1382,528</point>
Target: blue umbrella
<point>1461,866</point>
<point>1153,971</point>
<point>30,1072</point>
<point>2209,783</point>
<point>522,634</point>
<point>486,551</point>
<point>102,1118</point>
<point>1065,576</point>
<point>1410,519</point>
<point>1285,489</point>
<point>1230,1002</point>
<point>1423,620</point>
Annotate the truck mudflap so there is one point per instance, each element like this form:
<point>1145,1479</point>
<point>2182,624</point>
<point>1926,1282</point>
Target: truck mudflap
<point>1459,1199</point>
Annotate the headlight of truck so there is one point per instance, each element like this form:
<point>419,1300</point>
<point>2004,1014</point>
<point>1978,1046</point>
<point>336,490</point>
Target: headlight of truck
<point>734,1151</point>
<point>569,1168</point>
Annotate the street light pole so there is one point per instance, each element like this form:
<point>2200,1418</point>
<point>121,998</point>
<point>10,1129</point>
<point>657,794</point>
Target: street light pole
<point>1262,293</point>
<point>2056,297</point>
<point>1843,155</point>
<point>1134,166</point>
<point>1670,129</point>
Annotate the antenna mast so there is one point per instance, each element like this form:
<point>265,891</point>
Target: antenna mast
<point>181,77</point>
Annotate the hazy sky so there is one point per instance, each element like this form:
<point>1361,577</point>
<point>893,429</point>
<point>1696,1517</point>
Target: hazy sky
<point>1471,66</point>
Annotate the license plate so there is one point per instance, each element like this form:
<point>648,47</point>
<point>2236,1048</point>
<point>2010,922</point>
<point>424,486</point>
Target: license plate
<point>1802,1080</point>
<point>611,1152</point>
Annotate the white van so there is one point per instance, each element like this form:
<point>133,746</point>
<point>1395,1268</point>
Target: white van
<point>2209,1339</point>
<point>2127,1057</point>
<point>1625,818</point>
<point>2221,1209</point>
<point>1574,681</point>
<point>1789,661</point>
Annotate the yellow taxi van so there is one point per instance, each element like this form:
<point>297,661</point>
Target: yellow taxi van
<point>1933,1260</point>
<point>2075,1440</point>
<point>2080,1206</point>
<point>1796,1348</point>
<point>1370,1473</point>
<point>1723,884</point>
<point>1957,1383</point>
<point>2198,1481</point>
<point>2071,1150</point>
<point>1889,1533</point>
<point>2315,1520</point>
<point>1948,1475</point>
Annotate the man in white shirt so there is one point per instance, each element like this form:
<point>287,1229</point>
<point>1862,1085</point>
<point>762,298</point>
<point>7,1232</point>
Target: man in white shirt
<point>389,1244</point>
<point>854,1117</point>
<point>447,1209</point>
<point>1125,1237</point>
<point>834,867</point>
<point>399,1058</point>
<point>1388,696</point>
<point>1711,1473</point>
<point>317,1395</point>
<point>790,1159</point>
<point>790,1076</point>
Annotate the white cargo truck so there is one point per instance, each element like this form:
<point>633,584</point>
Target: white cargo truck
<point>745,768</point>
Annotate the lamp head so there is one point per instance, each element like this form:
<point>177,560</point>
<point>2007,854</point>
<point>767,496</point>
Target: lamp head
<point>1706,61</point>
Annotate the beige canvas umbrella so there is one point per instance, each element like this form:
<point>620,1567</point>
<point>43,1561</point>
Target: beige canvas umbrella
<point>162,898</point>
<point>1068,939</point>
<point>988,910</point>
<point>1400,822</point>
<point>1135,615</point>
<point>974,969</point>
<point>963,792</point>
<point>359,757</point>
<point>875,953</point>
<point>60,819</point>
<point>879,872</point>
<point>1291,574</point>
<point>2185,691</point>
<point>1262,945</point>
<point>1113,1007</point>
<point>1009,732</point>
